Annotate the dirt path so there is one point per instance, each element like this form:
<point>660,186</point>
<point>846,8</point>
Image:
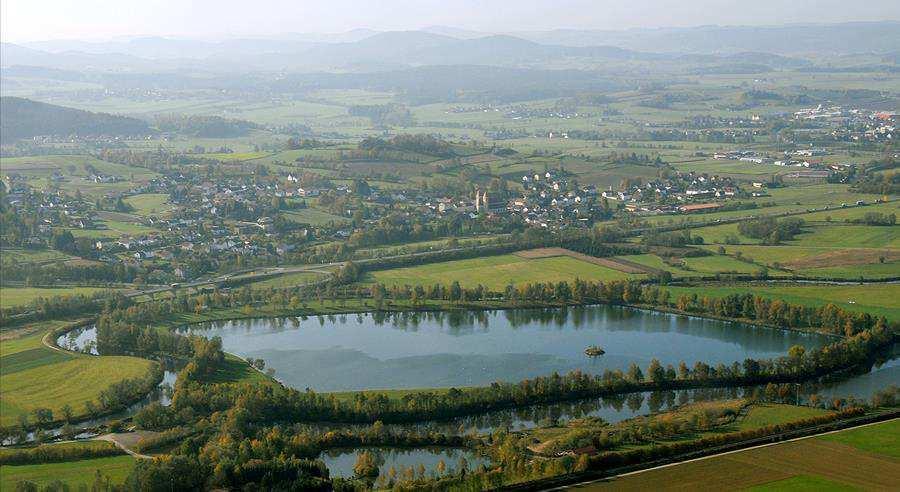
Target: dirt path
<point>123,440</point>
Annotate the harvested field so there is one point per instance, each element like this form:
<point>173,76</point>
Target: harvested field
<point>613,263</point>
<point>819,458</point>
<point>846,257</point>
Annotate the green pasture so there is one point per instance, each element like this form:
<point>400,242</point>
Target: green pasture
<point>496,272</point>
<point>35,376</point>
<point>149,203</point>
<point>20,296</point>
<point>73,473</point>
<point>313,217</point>
<point>875,299</point>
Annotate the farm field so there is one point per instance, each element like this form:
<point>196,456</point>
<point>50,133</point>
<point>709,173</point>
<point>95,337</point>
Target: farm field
<point>313,217</point>
<point>66,378</point>
<point>732,168</point>
<point>149,203</point>
<point>848,236</point>
<point>823,461</point>
<point>882,439</point>
<point>875,299</point>
<point>721,264</point>
<point>654,261</point>
<point>854,272</point>
<point>806,257</point>
<point>74,172</point>
<point>288,280</point>
<point>74,473</point>
<point>831,250</point>
<point>20,296</point>
<point>69,165</point>
<point>113,229</point>
<point>496,272</point>
<point>802,482</point>
<point>19,255</point>
<point>793,199</point>
<point>852,213</point>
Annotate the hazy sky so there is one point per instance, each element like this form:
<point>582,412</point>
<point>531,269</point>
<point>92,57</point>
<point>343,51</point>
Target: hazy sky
<point>33,20</point>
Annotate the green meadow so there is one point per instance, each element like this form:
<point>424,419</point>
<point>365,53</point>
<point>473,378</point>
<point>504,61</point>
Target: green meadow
<point>496,272</point>
<point>875,299</point>
<point>33,375</point>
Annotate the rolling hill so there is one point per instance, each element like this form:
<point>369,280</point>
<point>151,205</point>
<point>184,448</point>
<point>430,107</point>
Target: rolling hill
<point>24,118</point>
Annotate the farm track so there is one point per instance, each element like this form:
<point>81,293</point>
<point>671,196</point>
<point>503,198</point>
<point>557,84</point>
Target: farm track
<point>120,441</point>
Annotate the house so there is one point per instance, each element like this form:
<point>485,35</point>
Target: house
<point>266,223</point>
<point>588,450</point>
<point>283,249</point>
<point>82,222</point>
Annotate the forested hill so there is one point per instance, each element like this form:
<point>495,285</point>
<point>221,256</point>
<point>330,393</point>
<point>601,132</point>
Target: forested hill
<point>24,118</point>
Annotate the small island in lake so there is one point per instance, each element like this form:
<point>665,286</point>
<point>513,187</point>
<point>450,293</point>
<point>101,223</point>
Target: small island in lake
<point>594,351</point>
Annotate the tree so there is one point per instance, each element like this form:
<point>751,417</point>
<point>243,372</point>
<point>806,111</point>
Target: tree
<point>90,408</point>
<point>796,352</point>
<point>455,291</point>
<point>634,373</point>
<point>656,372</point>
<point>42,415</point>
<point>366,466</point>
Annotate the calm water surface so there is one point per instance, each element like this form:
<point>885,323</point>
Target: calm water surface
<point>415,350</point>
<point>340,461</point>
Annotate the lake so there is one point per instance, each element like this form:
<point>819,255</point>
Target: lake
<point>471,348</point>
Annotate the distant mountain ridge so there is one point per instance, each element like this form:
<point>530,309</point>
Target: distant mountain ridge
<point>23,118</point>
<point>842,38</point>
<point>362,50</point>
<point>849,37</point>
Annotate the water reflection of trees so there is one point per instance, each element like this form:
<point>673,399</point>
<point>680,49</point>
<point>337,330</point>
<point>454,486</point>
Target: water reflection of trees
<point>340,461</point>
<point>610,318</point>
